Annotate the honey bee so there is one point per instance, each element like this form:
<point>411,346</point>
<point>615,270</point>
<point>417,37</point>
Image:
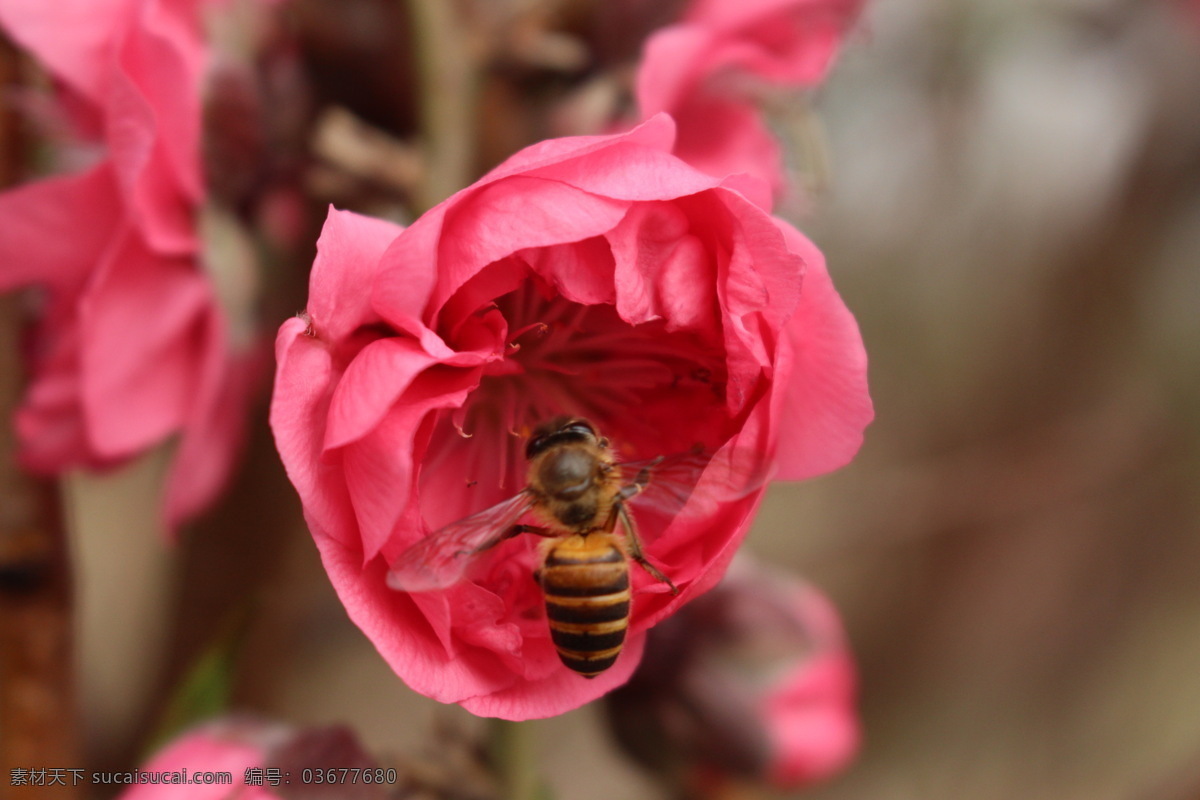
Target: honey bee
<point>579,493</point>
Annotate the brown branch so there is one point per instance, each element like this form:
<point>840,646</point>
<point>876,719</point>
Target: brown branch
<point>37,699</point>
<point>448,81</point>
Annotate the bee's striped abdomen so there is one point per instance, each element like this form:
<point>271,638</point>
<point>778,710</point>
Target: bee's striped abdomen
<point>586,582</point>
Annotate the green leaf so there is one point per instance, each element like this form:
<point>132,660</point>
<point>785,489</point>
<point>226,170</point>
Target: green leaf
<point>205,689</point>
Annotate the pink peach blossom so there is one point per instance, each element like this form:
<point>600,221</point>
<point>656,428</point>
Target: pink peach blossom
<point>752,681</point>
<point>260,760</point>
<point>705,69</point>
<point>598,276</point>
<point>230,746</point>
<point>131,347</point>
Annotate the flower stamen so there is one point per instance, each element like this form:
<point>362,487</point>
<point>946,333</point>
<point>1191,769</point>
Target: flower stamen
<point>541,327</point>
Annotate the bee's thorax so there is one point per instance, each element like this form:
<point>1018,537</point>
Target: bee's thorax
<point>567,472</point>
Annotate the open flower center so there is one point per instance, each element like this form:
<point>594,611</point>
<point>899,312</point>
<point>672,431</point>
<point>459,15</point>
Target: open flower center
<point>568,358</point>
<point>648,389</point>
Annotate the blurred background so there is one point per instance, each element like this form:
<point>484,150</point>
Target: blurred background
<point>1008,194</point>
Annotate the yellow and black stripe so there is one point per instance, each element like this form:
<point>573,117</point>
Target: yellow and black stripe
<point>587,601</point>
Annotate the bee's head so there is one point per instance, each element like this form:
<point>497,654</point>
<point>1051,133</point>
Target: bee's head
<point>559,431</point>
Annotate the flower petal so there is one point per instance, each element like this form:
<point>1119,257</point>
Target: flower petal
<point>813,727</point>
<point>379,466</point>
<point>662,270</point>
<point>580,271</point>
<point>214,430</point>
<point>304,378</point>
<point>141,342</point>
<point>407,272</point>
<point>826,405</point>
<point>629,171</point>
<point>559,692</point>
<point>724,137</point>
<point>696,71</point>
<point>657,132</point>
<point>73,37</point>
<point>510,215</point>
<point>402,633</point>
<point>213,747</point>
<point>53,231</point>
<point>405,288</point>
<point>49,422</point>
<point>372,383</point>
<point>785,41</point>
<point>348,255</point>
<point>153,123</point>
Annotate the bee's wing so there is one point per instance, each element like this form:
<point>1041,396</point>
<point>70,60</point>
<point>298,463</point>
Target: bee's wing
<point>669,481</point>
<point>439,560</point>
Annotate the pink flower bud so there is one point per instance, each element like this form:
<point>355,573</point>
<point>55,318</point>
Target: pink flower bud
<point>248,759</point>
<point>751,681</point>
<point>238,747</point>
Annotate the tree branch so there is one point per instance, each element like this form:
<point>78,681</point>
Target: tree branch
<point>445,68</point>
<point>37,698</point>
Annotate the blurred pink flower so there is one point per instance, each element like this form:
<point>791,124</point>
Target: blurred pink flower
<point>706,70</point>
<point>231,746</point>
<point>809,709</point>
<point>263,760</point>
<point>131,346</point>
<point>753,681</point>
<point>598,276</point>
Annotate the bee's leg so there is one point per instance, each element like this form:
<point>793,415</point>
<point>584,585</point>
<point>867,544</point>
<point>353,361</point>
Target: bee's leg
<point>516,530</point>
<point>629,491</point>
<point>641,481</point>
<point>537,530</point>
<point>635,547</point>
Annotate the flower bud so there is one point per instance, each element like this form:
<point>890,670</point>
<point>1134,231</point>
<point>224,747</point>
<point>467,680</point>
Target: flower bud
<point>752,681</point>
<point>262,761</point>
<point>238,746</point>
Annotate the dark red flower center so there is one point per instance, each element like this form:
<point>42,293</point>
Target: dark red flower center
<point>650,390</point>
